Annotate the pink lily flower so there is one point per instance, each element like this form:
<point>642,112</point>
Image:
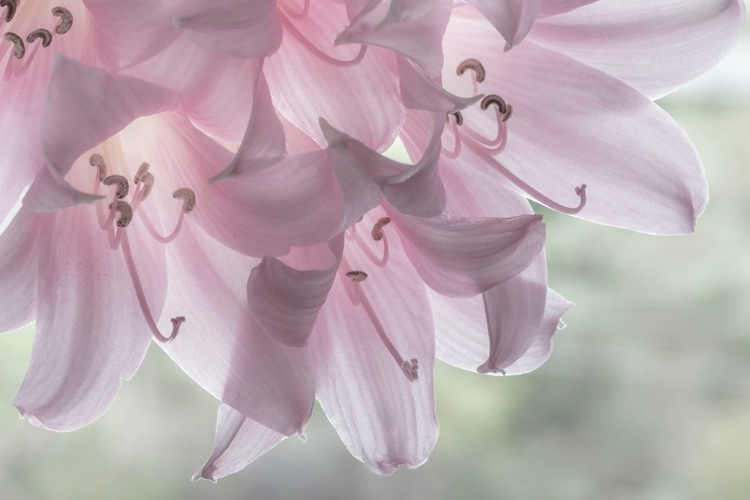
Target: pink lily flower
<point>558,100</point>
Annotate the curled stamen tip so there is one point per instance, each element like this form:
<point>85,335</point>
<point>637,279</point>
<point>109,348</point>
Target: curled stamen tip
<point>66,20</point>
<point>126,213</point>
<point>498,101</point>
<point>148,184</point>
<point>411,369</point>
<point>176,324</point>
<point>20,48</point>
<point>42,33</point>
<point>357,276</point>
<point>377,230</point>
<point>97,160</point>
<point>458,116</point>
<point>187,196</point>
<point>12,6</point>
<point>123,187</point>
<point>141,173</point>
<point>474,65</point>
<point>581,192</point>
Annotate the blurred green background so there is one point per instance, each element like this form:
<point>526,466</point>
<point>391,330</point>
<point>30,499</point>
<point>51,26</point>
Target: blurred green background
<point>647,394</point>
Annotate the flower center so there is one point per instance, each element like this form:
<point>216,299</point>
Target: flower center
<point>357,278</point>
<point>122,213</point>
<point>18,41</point>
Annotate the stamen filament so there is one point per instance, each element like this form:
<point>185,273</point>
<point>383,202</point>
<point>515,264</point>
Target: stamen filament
<point>301,38</point>
<point>380,262</point>
<point>580,191</point>
<point>158,237</point>
<point>457,147</point>
<point>142,302</point>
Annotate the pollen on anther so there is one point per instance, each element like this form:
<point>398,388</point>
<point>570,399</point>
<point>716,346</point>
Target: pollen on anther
<point>42,33</point>
<point>141,173</point>
<point>505,109</point>
<point>126,213</point>
<point>123,187</point>
<point>148,184</point>
<point>457,116</point>
<point>357,276</point>
<point>12,6</point>
<point>474,65</point>
<point>66,20</point>
<point>20,48</point>
<point>97,160</point>
<point>187,196</point>
<point>377,229</point>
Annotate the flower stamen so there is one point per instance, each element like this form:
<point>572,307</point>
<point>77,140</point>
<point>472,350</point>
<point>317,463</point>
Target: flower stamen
<point>188,205</point>
<point>97,161</point>
<point>408,368</point>
<point>11,8</point>
<point>459,120</point>
<point>478,73</point>
<point>142,302</point>
<point>66,20</point>
<point>42,34</point>
<point>123,187</point>
<point>20,48</point>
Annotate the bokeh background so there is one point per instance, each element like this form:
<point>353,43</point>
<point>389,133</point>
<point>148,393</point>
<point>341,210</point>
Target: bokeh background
<point>646,397</point>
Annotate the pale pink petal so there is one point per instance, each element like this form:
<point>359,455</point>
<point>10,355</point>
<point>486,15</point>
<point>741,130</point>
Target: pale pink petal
<point>462,340</point>
<point>306,87</point>
<point>90,331</point>
<point>512,18</point>
<point>220,346</point>
<point>19,256</point>
<point>575,125</point>
<point>418,91</point>
<point>285,297</point>
<point>366,176</point>
<point>264,142</point>
<point>413,28</point>
<point>126,33</point>
<point>84,107</point>
<point>235,27</point>
<point>554,7</point>
<point>656,46</point>
<point>239,442</point>
<point>214,88</point>
<point>514,311</point>
<point>383,419</point>
<point>260,214</point>
<point>462,256</point>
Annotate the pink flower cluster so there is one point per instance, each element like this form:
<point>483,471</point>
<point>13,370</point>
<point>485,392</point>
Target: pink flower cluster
<point>209,174</point>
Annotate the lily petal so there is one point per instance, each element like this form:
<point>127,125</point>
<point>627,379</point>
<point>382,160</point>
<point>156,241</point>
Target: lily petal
<point>239,442</point>
<point>382,418</point>
<point>656,46</point>
<point>90,331</point>
<point>512,18</point>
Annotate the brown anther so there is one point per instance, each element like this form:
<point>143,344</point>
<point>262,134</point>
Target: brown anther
<point>12,7</point>
<point>126,213</point>
<point>66,20</point>
<point>475,66</point>
<point>42,33</point>
<point>16,40</point>
<point>148,184</point>
<point>506,110</point>
<point>97,160</point>
<point>377,229</point>
<point>356,276</point>
<point>142,171</point>
<point>123,187</point>
<point>187,196</point>
<point>457,116</point>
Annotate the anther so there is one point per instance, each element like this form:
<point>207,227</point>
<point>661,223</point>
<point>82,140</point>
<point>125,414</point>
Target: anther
<point>12,7</point>
<point>66,20</point>
<point>16,40</point>
<point>187,196</point>
<point>457,116</point>
<point>479,72</point>
<point>42,33</point>
<point>97,160</point>
<point>411,369</point>
<point>148,184</point>
<point>121,182</point>
<point>356,276</point>
<point>505,109</point>
<point>126,213</point>
<point>142,171</point>
<point>377,229</point>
